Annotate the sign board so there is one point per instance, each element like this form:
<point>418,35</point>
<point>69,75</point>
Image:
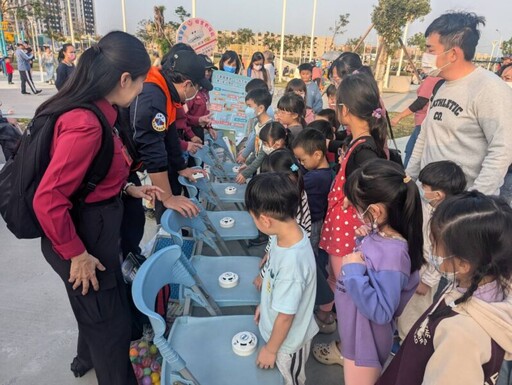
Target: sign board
<point>199,34</point>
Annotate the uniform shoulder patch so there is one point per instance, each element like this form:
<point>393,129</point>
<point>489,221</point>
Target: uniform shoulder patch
<point>159,122</point>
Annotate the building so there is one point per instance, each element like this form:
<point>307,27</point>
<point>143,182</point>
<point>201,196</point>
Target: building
<point>82,15</point>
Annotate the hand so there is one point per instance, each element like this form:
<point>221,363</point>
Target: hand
<point>242,167</point>
<point>363,231</point>
<point>240,158</point>
<point>196,139</point>
<point>181,204</point>
<point>193,147</point>
<point>396,119</point>
<point>146,192</point>
<point>213,133</point>
<point>240,179</point>
<point>355,257</point>
<point>205,120</point>
<point>346,203</point>
<point>257,315</point>
<point>266,359</point>
<point>189,173</point>
<point>258,281</point>
<point>422,289</point>
<point>83,272</point>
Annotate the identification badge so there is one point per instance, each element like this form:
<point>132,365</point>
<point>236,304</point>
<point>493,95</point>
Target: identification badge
<point>126,155</point>
<point>159,122</point>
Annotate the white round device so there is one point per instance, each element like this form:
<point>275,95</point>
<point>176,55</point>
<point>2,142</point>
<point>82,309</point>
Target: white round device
<point>236,168</point>
<point>244,343</point>
<point>230,190</point>
<point>227,222</point>
<point>228,280</point>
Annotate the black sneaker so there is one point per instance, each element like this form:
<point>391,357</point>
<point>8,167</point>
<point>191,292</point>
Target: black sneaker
<point>38,92</point>
<point>26,93</point>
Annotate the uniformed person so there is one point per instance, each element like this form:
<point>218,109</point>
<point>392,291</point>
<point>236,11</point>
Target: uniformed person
<point>153,116</point>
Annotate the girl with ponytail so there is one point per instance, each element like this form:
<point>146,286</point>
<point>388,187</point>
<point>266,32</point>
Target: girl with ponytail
<point>463,338</point>
<point>381,275</point>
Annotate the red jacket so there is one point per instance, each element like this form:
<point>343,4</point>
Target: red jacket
<point>8,68</point>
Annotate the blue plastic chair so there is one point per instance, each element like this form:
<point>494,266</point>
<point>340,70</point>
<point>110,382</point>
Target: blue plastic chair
<point>219,143</point>
<point>198,350</point>
<point>222,171</point>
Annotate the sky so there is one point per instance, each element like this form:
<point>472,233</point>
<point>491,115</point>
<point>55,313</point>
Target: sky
<point>265,15</point>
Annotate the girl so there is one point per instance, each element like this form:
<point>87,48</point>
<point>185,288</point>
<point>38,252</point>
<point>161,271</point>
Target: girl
<point>83,248</point>
<point>66,64</point>
<point>256,70</point>
<point>273,136</point>
<point>290,112</point>
<point>381,275</point>
<point>300,88</point>
<point>344,65</point>
<point>358,107</point>
<point>230,62</point>
<point>463,337</point>
<point>48,62</point>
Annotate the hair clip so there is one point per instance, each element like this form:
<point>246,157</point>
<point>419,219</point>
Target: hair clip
<point>407,179</point>
<point>355,72</point>
<point>377,113</point>
<point>294,167</point>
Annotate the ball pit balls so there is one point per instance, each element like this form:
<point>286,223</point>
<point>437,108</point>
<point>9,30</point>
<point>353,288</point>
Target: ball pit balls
<point>155,377</point>
<point>146,380</point>
<point>143,352</point>
<point>134,352</point>
<point>153,349</point>
<point>147,371</point>
<point>143,344</point>
<point>155,366</point>
<point>139,372</point>
<point>146,362</point>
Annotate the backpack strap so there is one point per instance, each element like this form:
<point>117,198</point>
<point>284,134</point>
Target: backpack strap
<point>436,88</point>
<point>390,129</point>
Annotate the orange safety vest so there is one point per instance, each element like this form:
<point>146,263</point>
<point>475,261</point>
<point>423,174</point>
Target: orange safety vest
<point>156,77</point>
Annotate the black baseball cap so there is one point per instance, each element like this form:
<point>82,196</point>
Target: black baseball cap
<point>191,65</point>
<point>208,64</point>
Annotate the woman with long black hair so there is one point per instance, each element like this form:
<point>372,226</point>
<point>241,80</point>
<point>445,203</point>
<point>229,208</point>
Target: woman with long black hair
<point>81,241</point>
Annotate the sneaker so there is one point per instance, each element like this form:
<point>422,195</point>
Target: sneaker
<point>26,93</point>
<point>38,92</point>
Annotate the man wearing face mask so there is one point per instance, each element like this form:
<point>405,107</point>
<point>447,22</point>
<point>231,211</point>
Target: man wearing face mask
<point>153,116</point>
<point>469,120</point>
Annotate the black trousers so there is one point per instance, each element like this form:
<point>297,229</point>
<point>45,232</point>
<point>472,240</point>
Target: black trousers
<point>9,78</point>
<point>26,77</point>
<point>103,317</point>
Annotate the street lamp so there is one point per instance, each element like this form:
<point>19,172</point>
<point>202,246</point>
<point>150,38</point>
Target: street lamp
<point>499,43</point>
<point>312,31</point>
<point>193,8</point>
<point>123,10</point>
<point>71,25</point>
<point>282,43</point>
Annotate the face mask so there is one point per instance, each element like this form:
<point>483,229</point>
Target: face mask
<point>193,96</point>
<point>270,112</point>
<point>250,113</point>
<point>429,60</point>
<point>257,67</point>
<point>229,69</point>
<point>437,261</point>
<point>361,217</point>
<point>266,149</point>
<point>424,198</point>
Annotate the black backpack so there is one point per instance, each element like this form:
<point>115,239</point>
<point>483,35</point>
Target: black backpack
<point>21,175</point>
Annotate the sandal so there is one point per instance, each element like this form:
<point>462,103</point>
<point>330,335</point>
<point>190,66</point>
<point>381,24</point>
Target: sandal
<point>328,326</point>
<point>328,354</point>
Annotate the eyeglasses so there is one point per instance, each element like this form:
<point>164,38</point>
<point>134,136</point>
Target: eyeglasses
<point>279,111</point>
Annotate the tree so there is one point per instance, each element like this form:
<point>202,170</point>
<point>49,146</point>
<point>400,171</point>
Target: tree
<point>340,23</point>
<point>352,43</point>
<point>418,40</point>
<point>224,41</point>
<point>182,14</point>
<point>506,47</point>
<point>271,41</point>
<point>245,36</point>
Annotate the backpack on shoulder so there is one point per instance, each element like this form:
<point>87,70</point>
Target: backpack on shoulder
<point>21,175</point>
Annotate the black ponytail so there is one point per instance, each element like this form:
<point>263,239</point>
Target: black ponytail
<point>283,160</point>
<point>382,181</point>
<point>62,51</point>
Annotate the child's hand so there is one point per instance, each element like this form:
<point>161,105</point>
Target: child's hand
<point>240,179</point>
<point>363,231</point>
<point>240,158</point>
<point>257,315</point>
<point>355,257</point>
<point>266,359</point>
<point>258,281</point>
<point>422,288</point>
<point>242,167</point>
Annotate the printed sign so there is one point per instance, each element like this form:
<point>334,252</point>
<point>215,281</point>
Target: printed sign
<point>199,34</point>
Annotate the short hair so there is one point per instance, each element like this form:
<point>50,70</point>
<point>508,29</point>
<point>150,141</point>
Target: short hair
<point>330,115</point>
<point>311,140</point>
<point>444,175</point>
<point>272,194</point>
<point>255,84</point>
<point>306,67</point>
<point>331,90</point>
<point>458,29</point>
<point>260,97</point>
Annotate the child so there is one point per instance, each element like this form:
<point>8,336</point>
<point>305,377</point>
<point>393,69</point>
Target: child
<point>439,180</point>
<point>331,96</point>
<point>285,314</point>
<point>272,136</point>
<point>255,70</point>
<point>380,276</point>
<point>358,107</point>
<point>298,87</point>
<point>9,70</point>
<point>230,62</point>
<point>329,115</point>
<point>290,112</point>
<point>310,148</point>
<point>325,128</point>
<point>314,97</point>
<point>463,337</point>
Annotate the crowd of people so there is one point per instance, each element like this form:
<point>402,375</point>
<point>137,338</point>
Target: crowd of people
<point>412,262</point>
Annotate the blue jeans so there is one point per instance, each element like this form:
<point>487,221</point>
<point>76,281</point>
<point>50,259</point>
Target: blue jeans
<point>506,189</point>
<point>409,147</point>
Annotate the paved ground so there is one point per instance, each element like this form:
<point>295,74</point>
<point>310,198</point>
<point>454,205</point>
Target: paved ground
<point>37,329</point>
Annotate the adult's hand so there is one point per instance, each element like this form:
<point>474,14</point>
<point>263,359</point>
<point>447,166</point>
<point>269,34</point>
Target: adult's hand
<point>146,192</point>
<point>196,139</point>
<point>189,173</point>
<point>181,204</point>
<point>205,120</point>
<point>83,272</point>
<point>396,119</point>
<point>213,133</point>
<point>193,147</point>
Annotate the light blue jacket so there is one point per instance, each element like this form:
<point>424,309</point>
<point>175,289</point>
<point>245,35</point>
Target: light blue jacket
<point>23,60</point>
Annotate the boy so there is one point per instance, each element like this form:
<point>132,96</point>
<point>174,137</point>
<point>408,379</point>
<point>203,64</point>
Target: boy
<point>439,180</point>
<point>285,314</point>
<point>9,70</point>
<point>314,97</point>
<point>257,101</point>
<point>331,96</point>
<point>310,149</point>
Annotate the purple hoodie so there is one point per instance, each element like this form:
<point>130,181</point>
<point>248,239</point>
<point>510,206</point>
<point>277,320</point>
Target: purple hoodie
<point>369,297</point>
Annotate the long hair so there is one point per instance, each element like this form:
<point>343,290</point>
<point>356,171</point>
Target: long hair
<point>99,70</point>
<point>291,102</point>
<point>382,181</point>
<point>231,57</point>
<point>62,51</point>
<point>257,56</point>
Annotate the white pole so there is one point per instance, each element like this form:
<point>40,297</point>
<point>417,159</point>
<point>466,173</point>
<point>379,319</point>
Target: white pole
<point>123,10</point>
<point>492,54</point>
<point>312,31</point>
<point>404,39</point>
<point>193,8</point>
<point>71,24</point>
<point>18,36</point>
<point>499,44</point>
<point>281,51</point>
<point>386,75</point>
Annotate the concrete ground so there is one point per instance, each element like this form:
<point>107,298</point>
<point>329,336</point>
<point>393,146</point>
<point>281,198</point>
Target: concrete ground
<point>37,328</point>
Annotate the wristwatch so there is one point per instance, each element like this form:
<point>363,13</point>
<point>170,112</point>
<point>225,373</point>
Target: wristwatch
<point>126,186</point>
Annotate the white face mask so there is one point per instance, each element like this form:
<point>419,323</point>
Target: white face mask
<point>257,67</point>
<point>429,60</point>
<point>266,149</point>
<point>437,261</point>
<point>191,97</point>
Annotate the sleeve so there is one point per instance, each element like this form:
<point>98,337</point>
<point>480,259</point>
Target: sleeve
<point>287,291</point>
<point>249,146</point>
<point>182,123</point>
<point>378,300</point>
<point>61,78</point>
<point>175,158</point>
<point>150,141</point>
<point>197,108</point>
<point>418,104</point>
<point>74,150</point>
<point>414,165</point>
<point>495,118</point>
<point>458,356</point>
<point>25,56</point>
<point>254,166</point>
<point>318,103</point>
